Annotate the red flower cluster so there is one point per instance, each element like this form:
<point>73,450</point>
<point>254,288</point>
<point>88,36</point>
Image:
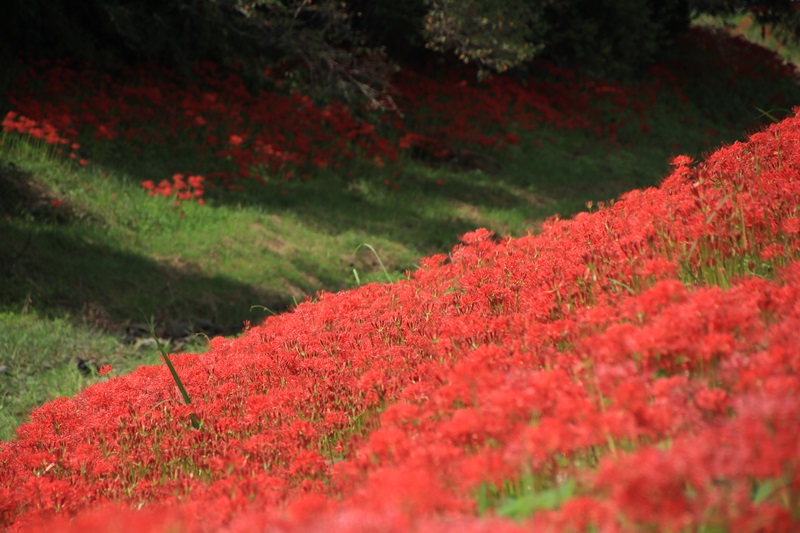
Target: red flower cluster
<point>237,134</point>
<point>234,134</point>
<point>182,187</point>
<point>590,360</point>
<point>231,132</point>
<point>452,111</point>
<point>16,123</point>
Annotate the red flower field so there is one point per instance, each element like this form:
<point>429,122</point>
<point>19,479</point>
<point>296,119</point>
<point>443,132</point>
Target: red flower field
<point>240,138</point>
<point>630,369</point>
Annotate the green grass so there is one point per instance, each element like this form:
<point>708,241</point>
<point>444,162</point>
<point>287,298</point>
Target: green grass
<point>72,277</point>
<point>39,356</point>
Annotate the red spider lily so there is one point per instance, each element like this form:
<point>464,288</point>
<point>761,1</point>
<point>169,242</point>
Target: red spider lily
<point>286,134</point>
<point>13,122</point>
<point>586,357</point>
<point>181,187</point>
<point>239,135</point>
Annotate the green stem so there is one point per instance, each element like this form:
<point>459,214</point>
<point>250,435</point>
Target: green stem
<point>385,272</point>
<point>178,382</point>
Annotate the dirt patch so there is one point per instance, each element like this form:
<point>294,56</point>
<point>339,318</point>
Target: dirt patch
<point>267,240</point>
<point>530,198</point>
<point>473,215</point>
<point>98,318</point>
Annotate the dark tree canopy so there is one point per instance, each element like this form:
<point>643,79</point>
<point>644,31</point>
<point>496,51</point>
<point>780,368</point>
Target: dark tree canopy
<point>349,48</point>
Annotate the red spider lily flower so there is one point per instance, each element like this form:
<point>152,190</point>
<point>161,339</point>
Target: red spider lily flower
<point>584,367</point>
<point>791,226</point>
<point>681,161</point>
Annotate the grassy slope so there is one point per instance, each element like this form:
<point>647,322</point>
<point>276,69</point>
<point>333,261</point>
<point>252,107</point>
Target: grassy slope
<point>75,275</point>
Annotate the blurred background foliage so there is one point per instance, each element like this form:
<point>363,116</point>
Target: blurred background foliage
<point>351,48</point>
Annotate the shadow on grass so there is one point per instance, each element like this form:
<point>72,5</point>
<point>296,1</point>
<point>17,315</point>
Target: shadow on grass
<point>419,215</point>
<point>58,268</point>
